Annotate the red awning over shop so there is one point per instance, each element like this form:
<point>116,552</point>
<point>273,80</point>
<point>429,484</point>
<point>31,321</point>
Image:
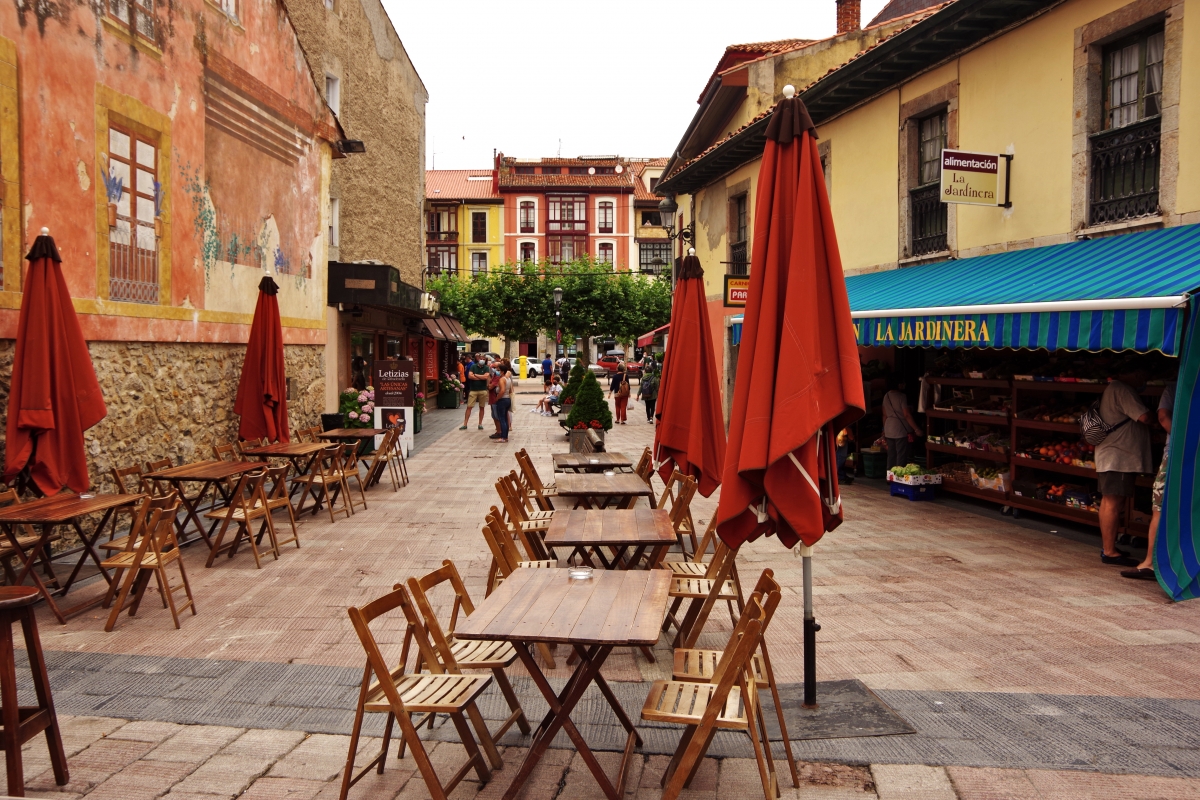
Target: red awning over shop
<point>647,338</point>
<point>431,327</point>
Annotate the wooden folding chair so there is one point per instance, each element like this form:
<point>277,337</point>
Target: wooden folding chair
<point>242,445</point>
<point>277,498</point>
<point>156,549</point>
<point>532,482</point>
<point>247,503</point>
<point>398,695</point>
<point>137,529</point>
<point>326,475</point>
<point>680,512</point>
<point>227,452</point>
<point>704,593</point>
<point>384,459</point>
<point>123,486</point>
<point>26,537</point>
<point>729,701</point>
<point>699,666</point>
<point>696,566</point>
<point>517,511</point>
<point>454,655</point>
<point>506,560</point>
<point>350,473</point>
<point>397,456</point>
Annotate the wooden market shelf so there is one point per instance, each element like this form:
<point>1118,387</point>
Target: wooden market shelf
<point>1054,509</point>
<point>1050,466</point>
<point>967,452</point>
<point>1058,386</point>
<point>983,383</point>
<point>986,419</point>
<point>1042,425</point>
<point>971,490</point>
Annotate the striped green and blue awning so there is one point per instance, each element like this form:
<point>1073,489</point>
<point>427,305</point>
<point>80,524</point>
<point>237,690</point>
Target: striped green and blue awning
<point>1117,293</point>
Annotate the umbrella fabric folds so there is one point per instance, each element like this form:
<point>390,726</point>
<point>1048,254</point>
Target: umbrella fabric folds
<point>799,379</point>
<point>691,433</point>
<point>54,396</point>
<point>262,393</point>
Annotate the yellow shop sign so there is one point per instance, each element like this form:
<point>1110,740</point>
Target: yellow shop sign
<point>737,289</point>
<point>974,178</point>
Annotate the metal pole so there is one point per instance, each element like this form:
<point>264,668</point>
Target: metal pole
<point>810,632</point>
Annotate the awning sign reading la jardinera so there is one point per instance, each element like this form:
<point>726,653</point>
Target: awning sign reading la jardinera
<point>1117,293</point>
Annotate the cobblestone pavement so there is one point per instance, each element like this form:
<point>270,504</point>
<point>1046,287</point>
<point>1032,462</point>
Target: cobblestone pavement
<point>991,639</point>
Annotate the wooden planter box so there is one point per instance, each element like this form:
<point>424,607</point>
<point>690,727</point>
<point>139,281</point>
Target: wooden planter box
<point>417,421</point>
<point>581,442</point>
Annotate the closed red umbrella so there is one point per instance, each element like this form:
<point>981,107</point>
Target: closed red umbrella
<point>262,393</point>
<point>799,379</point>
<point>690,436</point>
<point>54,396</point>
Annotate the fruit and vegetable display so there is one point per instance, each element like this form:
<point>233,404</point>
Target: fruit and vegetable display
<point>1068,415</point>
<point>1075,454</point>
<point>957,471</point>
<point>1067,494</point>
<point>990,477</point>
<point>914,475</point>
<point>992,441</point>
<point>1138,369</point>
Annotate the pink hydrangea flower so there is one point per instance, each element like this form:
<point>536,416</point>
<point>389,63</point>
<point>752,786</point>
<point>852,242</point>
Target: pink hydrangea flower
<point>364,418</point>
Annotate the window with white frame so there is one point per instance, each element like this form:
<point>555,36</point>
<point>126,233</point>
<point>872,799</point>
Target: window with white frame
<point>132,241</point>
<point>528,216</point>
<point>604,217</point>
<point>333,93</point>
<point>478,263</point>
<point>528,251</point>
<point>604,253</point>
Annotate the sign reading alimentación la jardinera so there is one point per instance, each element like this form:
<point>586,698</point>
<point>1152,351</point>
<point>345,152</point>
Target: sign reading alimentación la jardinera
<point>972,178</point>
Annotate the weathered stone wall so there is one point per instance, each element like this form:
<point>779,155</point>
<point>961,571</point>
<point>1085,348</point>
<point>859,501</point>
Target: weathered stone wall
<point>174,400</point>
<point>381,192</point>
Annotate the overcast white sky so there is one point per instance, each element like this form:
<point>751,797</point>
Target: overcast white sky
<point>521,76</point>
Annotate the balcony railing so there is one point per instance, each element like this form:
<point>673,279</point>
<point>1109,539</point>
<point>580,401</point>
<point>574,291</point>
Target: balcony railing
<point>738,263</point>
<point>1124,166</point>
<point>441,236</point>
<point>928,218</point>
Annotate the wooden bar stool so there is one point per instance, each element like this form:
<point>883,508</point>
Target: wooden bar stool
<point>22,723</point>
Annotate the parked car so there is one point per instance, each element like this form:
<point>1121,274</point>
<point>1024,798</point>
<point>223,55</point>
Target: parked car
<point>608,364</point>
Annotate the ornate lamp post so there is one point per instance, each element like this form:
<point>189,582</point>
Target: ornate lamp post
<point>558,348</point>
<point>667,209</point>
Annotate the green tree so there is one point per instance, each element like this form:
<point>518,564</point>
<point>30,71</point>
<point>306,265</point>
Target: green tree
<point>590,405</point>
<point>515,301</point>
<point>574,381</point>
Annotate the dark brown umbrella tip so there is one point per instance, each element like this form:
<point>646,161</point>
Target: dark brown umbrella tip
<point>690,268</point>
<point>268,286</point>
<point>43,247</point>
<point>789,121</point>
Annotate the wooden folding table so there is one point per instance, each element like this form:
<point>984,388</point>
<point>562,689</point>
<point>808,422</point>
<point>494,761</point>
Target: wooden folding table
<point>591,490</point>
<point>301,454</point>
<point>591,462</point>
<point>62,509</point>
<point>590,531</point>
<point>209,474</point>
<point>610,609</point>
<point>359,435</point>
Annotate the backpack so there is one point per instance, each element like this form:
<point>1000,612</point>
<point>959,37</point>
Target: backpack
<point>1093,427</point>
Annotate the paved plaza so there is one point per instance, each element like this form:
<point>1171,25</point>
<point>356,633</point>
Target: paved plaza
<point>1025,667</point>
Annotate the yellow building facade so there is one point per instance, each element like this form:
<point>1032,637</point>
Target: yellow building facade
<point>464,222</point>
<point>1096,101</point>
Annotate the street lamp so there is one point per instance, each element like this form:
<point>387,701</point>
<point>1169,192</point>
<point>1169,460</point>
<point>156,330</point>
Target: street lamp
<point>557,321</point>
<point>666,215</point>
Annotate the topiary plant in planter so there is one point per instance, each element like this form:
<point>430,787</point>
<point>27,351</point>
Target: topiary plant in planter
<point>574,381</point>
<point>590,409</point>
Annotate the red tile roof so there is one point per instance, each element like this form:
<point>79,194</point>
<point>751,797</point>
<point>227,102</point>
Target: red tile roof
<point>767,47</point>
<point>916,18</point>
<point>459,184</point>
<point>622,182</point>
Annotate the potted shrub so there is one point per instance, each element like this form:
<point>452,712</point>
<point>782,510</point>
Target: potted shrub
<point>450,391</point>
<point>590,411</point>
<point>358,408</point>
<point>574,381</point>
<point>418,411</point>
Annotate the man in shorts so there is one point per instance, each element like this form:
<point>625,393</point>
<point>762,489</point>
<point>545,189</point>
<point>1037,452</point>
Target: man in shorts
<point>547,372</point>
<point>1120,458</point>
<point>1145,570</point>
<point>477,386</point>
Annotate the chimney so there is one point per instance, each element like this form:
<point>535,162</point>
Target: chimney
<point>849,16</point>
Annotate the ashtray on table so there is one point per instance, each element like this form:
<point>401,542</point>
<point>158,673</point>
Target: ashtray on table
<point>579,573</point>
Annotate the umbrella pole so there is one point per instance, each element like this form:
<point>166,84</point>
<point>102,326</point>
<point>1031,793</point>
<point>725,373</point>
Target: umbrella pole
<point>810,632</point>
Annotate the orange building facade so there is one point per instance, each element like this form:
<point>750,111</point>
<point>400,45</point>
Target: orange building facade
<point>176,153</point>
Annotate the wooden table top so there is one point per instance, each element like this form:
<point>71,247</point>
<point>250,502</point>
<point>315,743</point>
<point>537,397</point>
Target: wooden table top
<point>206,470</point>
<point>287,449</point>
<point>64,507</point>
<point>545,605</point>
<point>590,484</point>
<point>352,433</point>
<point>592,461</point>
<point>615,527</point>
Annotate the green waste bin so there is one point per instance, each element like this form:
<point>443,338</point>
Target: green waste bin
<point>874,464</point>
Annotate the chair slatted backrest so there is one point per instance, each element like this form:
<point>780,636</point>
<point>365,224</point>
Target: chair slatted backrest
<point>645,467</point>
<point>119,476</point>
<point>500,543</point>
<point>741,645</point>
<point>440,635</point>
<point>533,481</point>
<point>158,487</point>
<point>9,497</point>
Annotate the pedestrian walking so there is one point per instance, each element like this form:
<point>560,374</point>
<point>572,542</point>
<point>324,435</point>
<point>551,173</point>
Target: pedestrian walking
<point>1120,458</point>
<point>618,387</point>
<point>899,427</point>
<point>564,369</point>
<point>547,371</point>
<point>477,391</point>
<point>648,391</point>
